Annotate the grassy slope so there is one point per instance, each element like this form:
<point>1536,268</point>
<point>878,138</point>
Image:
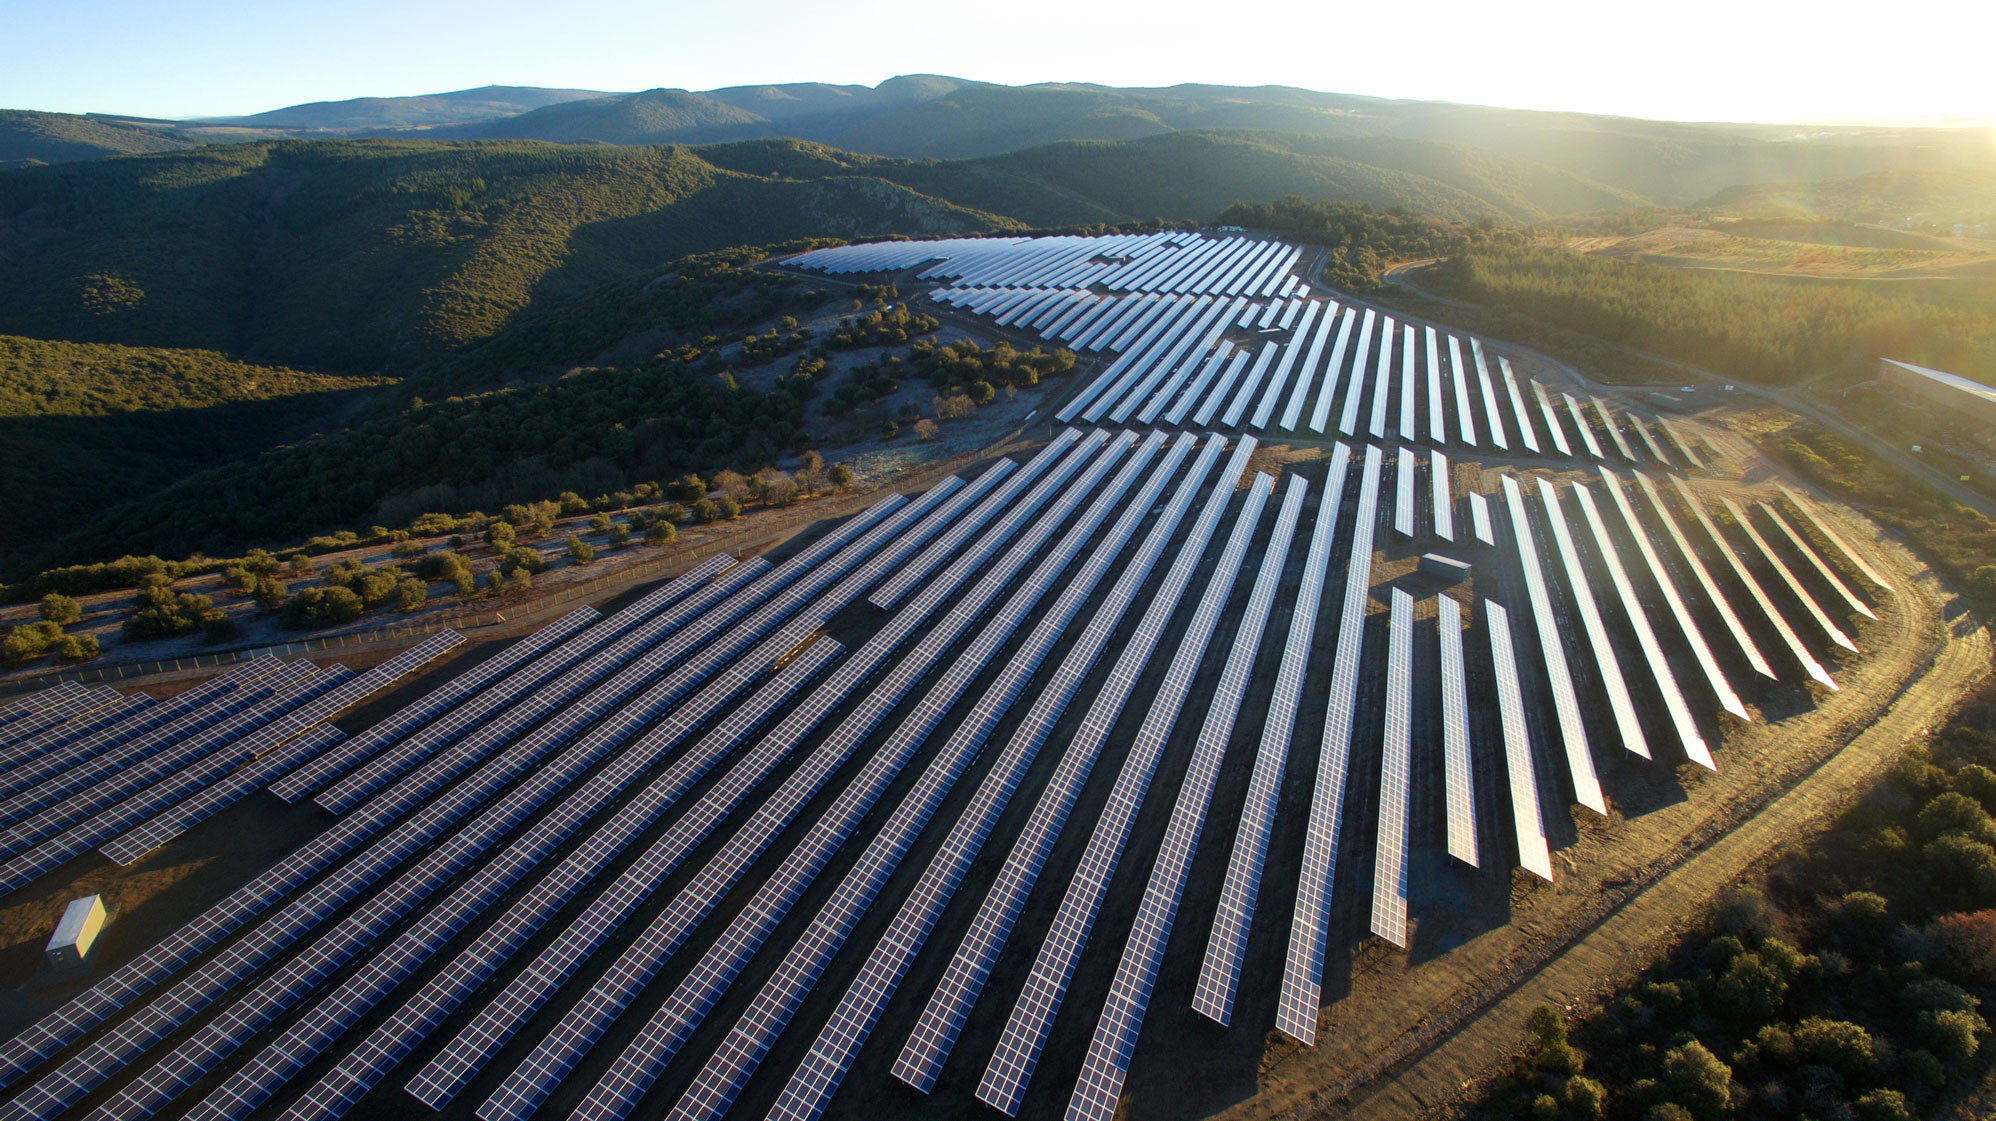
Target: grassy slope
<point>367,255</point>
<point>28,138</point>
<point>85,425</point>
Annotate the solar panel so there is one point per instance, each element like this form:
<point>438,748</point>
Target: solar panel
<point>1218,395</point>
<point>1389,876</point>
<point>943,1017</point>
<point>1586,430</point>
<point>1659,666</point>
<point>1302,976</point>
<point>1459,791</point>
<point>1465,420</point>
<point>1605,662</point>
<point>1551,418</point>
<point>1307,377</point>
<point>1693,637</point>
<point>441,867</point>
<point>632,1073</point>
<point>384,733</point>
<point>1017,1055</point>
<point>1843,591</point>
<point>1403,496</point>
<point>1781,628</point>
<point>1219,976</point>
<point>1492,419</point>
<point>1107,1062</point>
<point>1194,392</point>
<point>1830,630</point>
<point>111,717</point>
<point>1435,427</point>
<point>1614,430</point>
<point>1519,414</point>
<point>1851,556</point>
<point>1321,415</point>
<point>1649,441</point>
<point>1291,351</point>
<point>1587,788</point>
<point>1534,855</point>
<point>1712,595</point>
<point>216,979</point>
<point>1684,446</point>
<point>1348,421</point>
<point>808,1089</point>
<point>1479,519</point>
<point>1408,397</point>
<point>1005,499</point>
<point>1247,390</point>
<point>1444,505</point>
<point>1382,379</point>
<point>586,1022</point>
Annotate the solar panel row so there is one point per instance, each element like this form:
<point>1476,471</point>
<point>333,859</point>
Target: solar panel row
<point>1302,974</point>
<point>942,1018</point>
<point>1107,1062</point>
<point>1219,975</point>
<point>421,711</point>
<point>1606,664</point>
<point>1711,589</point>
<point>1572,732</point>
<point>1527,823</point>
<point>1459,792</point>
<point>1759,595</point>
<point>1396,765</point>
<point>1017,1054</point>
<point>806,1092</point>
<point>585,1023</point>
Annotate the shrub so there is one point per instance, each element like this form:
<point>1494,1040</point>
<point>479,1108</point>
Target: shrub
<point>28,642</point>
<point>77,648</point>
<point>579,550</point>
<point>1697,1079</point>
<point>1950,1034</point>
<point>322,607</point>
<point>219,628</point>
<point>1587,1098</point>
<point>58,609</point>
<point>925,429</point>
<point>660,532</point>
<point>1968,942</point>
<point>1884,1105</point>
<point>1969,866</point>
<point>620,536</point>
<point>411,594</point>
<point>269,595</point>
<point>1843,1047</point>
<point>1954,813</point>
<point>842,476</point>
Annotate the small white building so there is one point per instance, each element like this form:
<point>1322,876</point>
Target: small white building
<point>81,922</point>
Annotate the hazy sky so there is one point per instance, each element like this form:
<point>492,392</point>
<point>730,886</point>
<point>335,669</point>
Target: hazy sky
<point>1744,60</point>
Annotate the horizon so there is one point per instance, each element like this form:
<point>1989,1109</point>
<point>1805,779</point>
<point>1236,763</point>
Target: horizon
<point>229,58</point>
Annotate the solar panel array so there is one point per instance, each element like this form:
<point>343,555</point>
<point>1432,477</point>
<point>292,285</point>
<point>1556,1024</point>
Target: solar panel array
<point>613,823</point>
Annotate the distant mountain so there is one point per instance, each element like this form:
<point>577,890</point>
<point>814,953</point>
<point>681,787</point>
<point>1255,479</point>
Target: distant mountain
<point>460,107</point>
<point>28,138</point>
<point>652,117</point>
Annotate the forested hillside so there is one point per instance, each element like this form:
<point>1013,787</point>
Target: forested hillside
<point>28,138</point>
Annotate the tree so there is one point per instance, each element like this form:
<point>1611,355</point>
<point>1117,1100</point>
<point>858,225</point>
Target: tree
<point>1884,1105</point>
<point>727,509</point>
<point>58,609</point>
<point>706,510</point>
<point>1968,940</point>
<point>301,565</point>
<point>519,580</point>
<point>925,429</point>
<point>1843,1047</point>
<point>810,471</point>
<point>579,550</point>
<point>77,648</point>
<point>28,642</point>
<point>1697,1080</point>
<point>779,490</point>
<point>730,484</point>
<point>1950,1033</point>
<point>499,535</point>
<point>465,586</point>
<point>660,532</point>
<point>269,595</point>
<point>1587,1098</point>
<point>321,607</point>
<point>411,594</point>
<point>620,536</point>
<point>842,476</point>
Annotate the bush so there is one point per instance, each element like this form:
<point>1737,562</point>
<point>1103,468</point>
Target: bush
<point>77,648</point>
<point>1697,1080</point>
<point>1953,813</point>
<point>269,595</point>
<point>925,429</point>
<point>1587,1098</point>
<point>1884,1105</point>
<point>620,536</point>
<point>660,532</point>
<point>1968,942</point>
<point>219,628</point>
<point>579,550</point>
<point>528,561</point>
<point>1950,1034</point>
<point>842,476</point>
<point>58,609</point>
<point>322,607</point>
<point>411,594</point>
<point>1966,865</point>
<point>28,641</point>
<point>1843,1047</point>
<point>499,535</point>
<point>1668,1111</point>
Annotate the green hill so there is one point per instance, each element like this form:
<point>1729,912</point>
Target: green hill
<point>84,426</point>
<point>652,117</point>
<point>363,256</point>
<point>28,138</point>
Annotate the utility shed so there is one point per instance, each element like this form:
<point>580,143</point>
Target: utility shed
<point>1446,568</point>
<point>76,932</point>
